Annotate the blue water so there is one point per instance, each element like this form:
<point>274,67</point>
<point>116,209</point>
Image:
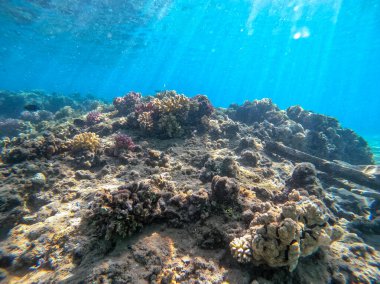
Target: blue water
<point>321,54</point>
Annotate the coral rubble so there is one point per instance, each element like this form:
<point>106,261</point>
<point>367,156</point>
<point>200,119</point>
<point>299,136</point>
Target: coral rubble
<point>169,189</point>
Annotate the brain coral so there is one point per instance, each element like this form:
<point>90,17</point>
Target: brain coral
<point>282,235</point>
<point>85,141</point>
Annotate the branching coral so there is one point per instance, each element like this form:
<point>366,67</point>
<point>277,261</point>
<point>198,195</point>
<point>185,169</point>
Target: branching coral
<point>281,236</point>
<point>93,117</point>
<point>85,141</point>
<point>145,120</point>
<point>123,212</point>
<point>169,126</point>
<point>126,104</point>
<point>167,115</point>
<point>123,141</point>
<point>175,104</point>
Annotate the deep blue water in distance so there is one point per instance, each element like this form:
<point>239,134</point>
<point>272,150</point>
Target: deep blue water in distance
<point>321,54</point>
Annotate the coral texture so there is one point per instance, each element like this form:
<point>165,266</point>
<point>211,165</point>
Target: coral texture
<point>123,212</point>
<point>123,141</point>
<point>313,133</point>
<point>281,236</point>
<point>85,141</point>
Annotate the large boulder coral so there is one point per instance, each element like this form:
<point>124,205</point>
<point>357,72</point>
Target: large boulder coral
<point>282,235</point>
<point>12,127</point>
<point>316,134</point>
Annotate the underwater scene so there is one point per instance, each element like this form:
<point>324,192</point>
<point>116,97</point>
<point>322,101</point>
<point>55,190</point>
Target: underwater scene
<point>188,141</point>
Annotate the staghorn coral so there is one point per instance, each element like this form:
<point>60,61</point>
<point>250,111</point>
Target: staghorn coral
<point>85,141</point>
<point>282,235</point>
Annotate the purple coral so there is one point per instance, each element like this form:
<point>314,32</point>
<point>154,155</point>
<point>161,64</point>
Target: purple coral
<point>204,105</point>
<point>123,141</point>
<point>93,117</point>
<point>119,104</point>
<point>126,104</point>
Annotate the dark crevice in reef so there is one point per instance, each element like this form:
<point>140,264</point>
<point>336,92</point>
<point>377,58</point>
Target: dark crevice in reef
<point>169,189</point>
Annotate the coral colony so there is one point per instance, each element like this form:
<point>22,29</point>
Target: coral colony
<point>169,189</point>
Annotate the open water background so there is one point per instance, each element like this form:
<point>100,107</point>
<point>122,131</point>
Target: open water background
<point>321,54</point>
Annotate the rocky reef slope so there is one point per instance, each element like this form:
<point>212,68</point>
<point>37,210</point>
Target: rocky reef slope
<point>168,189</point>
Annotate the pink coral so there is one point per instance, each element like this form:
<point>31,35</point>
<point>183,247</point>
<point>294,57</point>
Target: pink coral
<point>123,141</point>
<point>126,104</point>
<point>93,117</point>
<point>204,105</point>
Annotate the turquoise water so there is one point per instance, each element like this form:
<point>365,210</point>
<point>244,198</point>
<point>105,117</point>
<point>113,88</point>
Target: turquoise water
<point>374,143</point>
<point>323,55</point>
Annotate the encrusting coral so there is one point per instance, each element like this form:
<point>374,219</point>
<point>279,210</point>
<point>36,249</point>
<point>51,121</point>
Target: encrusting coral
<point>282,235</point>
<point>85,141</point>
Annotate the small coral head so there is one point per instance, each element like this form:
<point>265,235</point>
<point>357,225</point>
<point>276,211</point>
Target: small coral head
<point>93,117</point>
<point>123,141</point>
<point>241,250</point>
<point>118,101</point>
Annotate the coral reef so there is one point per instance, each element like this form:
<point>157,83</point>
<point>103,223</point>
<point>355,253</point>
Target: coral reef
<point>313,133</point>
<point>280,237</point>
<point>224,190</point>
<point>167,189</point>
<point>171,115</point>
<point>11,127</point>
<point>123,141</point>
<point>124,211</point>
<point>125,105</point>
<point>93,117</point>
<point>36,116</point>
<point>85,141</point>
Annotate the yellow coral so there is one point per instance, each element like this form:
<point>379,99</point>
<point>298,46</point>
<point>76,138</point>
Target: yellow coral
<point>241,250</point>
<point>85,141</point>
<point>146,121</point>
<point>172,104</point>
